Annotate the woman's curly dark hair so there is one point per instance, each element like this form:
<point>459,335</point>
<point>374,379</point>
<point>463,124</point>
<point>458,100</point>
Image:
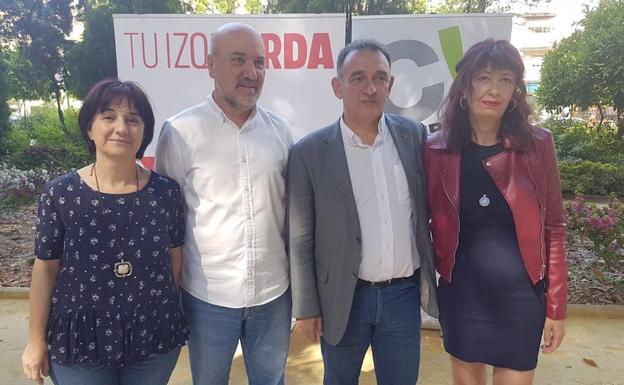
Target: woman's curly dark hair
<point>515,126</point>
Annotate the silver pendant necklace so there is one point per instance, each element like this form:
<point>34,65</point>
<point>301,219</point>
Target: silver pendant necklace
<point>484,201</point>
<point>123,267</point>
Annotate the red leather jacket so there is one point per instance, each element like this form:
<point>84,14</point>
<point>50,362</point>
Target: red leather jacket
<point>529,181</point>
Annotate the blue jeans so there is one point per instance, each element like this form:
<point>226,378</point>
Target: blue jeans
<point>263,331</point>
<point>387,319</point>
<point>153,370</point>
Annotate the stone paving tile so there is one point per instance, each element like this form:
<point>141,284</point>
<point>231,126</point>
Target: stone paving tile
<point>594,334</point>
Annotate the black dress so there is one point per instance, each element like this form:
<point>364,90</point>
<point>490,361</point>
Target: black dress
<point>490,312</point>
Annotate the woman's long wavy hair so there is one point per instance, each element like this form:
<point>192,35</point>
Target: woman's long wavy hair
<point>515,126</point>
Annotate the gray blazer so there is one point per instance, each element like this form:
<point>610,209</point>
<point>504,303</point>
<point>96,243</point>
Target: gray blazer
<point>324,239</point>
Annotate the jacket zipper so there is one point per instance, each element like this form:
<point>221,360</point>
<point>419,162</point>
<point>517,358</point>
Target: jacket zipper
<point>457,216</point>
<point>543,225</point>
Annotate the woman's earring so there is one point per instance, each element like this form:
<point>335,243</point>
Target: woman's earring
<point>463,103</point>
<point>515,104</point>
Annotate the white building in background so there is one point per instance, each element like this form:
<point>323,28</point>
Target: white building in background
<point>536,29</point>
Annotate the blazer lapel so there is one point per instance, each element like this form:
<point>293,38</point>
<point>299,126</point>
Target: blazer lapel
<point>407,154</point>
<point>339,171</point>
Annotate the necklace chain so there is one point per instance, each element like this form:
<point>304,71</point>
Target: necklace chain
<point>124,241</point>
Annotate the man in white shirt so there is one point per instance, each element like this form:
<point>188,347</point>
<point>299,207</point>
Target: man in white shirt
<point>229,156</point>
<point>361,262</point>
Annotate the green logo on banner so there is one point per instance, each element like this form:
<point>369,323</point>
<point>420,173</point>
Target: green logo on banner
<point>452,48</point>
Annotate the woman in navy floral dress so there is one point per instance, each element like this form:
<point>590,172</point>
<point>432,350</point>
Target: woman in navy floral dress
<point>104,302</point>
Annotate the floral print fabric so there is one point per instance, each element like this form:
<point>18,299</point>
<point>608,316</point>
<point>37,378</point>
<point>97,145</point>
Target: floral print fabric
<point>97,317</point>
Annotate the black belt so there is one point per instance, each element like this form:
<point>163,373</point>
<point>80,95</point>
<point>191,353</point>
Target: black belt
<point>389,282</point>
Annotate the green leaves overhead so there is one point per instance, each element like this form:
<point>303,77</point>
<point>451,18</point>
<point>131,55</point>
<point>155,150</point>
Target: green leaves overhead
<point>587,68</point>
<point>94,58</point>
<point>38,30</point>
<point>357,7</point>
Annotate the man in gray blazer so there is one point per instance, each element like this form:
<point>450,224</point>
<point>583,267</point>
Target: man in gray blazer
<point>360,253</point>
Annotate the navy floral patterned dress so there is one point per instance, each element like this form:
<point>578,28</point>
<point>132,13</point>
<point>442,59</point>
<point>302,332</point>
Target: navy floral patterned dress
<point>97,317</point>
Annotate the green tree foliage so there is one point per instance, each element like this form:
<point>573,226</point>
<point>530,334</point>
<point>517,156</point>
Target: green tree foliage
<point>93,58</point>
<point>25,81</point>
<point>563,82</point>
<point>221,6</point>
<point>361,7</point>
<point>4,107</point>
<point>39,141</point>
<point>481,6</point>
<point>225,6</point>
<point>254,6</point>
<point>576,141</point>
<point>587,68</point>
<point>38,28</point>
<point>216,6</point>
<point>463,6</point>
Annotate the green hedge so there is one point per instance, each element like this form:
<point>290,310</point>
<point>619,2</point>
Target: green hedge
<point>38,141</point>
<point>591,159</point>
<point>592,178</point>
<point>576,141</point>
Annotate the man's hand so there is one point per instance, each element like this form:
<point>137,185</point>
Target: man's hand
<point>311,327</point>
<point>554,331</point>
<point>35,361</point>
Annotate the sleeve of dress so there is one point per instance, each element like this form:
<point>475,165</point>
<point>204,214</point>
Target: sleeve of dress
<point>50,227</point>
<point>178,223</point>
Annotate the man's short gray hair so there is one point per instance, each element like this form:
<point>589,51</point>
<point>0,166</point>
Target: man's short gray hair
<point>358,45</point>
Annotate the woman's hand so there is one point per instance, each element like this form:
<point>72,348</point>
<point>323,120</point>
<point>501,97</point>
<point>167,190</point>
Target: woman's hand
<point>554,330</point>
<point>176,256</point>
<point>35,360</point>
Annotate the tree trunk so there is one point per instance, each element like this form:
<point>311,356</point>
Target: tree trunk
<point>469,6</point>
<point>601,115</point>
<point>57,96</point>
<point>620,122</point>
<point>481,6</point>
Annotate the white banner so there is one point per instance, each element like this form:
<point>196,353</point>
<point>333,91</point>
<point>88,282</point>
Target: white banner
<point>424,50</point>
<point>167,56</point>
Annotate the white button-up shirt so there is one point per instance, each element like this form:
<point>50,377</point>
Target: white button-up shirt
<point>233,184</point>
<point>383,204</point>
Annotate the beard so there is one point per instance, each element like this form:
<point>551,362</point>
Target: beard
<point>242,103</point>
<point>243,99</point>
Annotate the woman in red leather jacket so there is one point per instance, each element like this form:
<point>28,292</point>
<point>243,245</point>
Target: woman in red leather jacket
<point>496,221</point>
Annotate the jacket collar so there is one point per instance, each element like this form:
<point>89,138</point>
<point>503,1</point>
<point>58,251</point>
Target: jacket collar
<point>439,141</point>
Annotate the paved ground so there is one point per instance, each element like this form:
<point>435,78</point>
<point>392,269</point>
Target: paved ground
<point>595,336</point>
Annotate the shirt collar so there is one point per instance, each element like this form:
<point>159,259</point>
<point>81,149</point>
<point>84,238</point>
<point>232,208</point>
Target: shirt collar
<point>350,138</point>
